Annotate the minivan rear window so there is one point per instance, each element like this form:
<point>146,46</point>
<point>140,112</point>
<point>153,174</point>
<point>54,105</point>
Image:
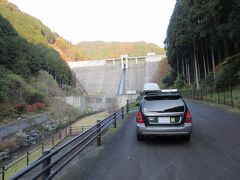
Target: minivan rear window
<point>163,104</point>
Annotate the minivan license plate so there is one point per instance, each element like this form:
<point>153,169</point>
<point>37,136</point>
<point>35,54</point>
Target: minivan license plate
<point>164,120</point>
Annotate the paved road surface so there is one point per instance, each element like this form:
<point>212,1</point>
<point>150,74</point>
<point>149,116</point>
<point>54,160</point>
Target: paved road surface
<point>213,153</point>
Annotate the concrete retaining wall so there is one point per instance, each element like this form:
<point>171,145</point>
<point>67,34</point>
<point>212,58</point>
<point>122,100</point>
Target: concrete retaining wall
<point>23,124</point>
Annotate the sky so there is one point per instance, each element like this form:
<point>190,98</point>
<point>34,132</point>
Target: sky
<point>106,20</point>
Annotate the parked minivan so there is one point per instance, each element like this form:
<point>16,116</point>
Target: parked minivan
<point>163,114</point>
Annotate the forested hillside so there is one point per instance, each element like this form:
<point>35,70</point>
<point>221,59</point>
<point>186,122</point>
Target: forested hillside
<point>27,59</point>
<point>203,42</point>
<point>22,61</point>
<point>103,50</point>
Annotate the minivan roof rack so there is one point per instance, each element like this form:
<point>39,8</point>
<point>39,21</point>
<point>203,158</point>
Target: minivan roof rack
<point>164,92</point>
<point>153,94</point>
<point>151,87</point>
<point>170,91</point>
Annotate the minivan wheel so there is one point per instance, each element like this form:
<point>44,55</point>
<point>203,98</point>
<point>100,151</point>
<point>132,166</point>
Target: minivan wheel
<point>140,137</point>
<point>187,138</point>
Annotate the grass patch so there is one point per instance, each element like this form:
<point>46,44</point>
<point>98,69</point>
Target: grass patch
<point>133,105</point>
<point>90,120</point>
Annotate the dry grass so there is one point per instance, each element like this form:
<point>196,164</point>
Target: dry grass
<point>90,120</point>
<point>9,143</point>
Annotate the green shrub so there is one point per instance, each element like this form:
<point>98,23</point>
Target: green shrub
<point>208,82</point>
<point>180,82</point>
<point>6,109</point>
<point>228,71</point>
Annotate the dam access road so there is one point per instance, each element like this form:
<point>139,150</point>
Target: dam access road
<point>212,153</point>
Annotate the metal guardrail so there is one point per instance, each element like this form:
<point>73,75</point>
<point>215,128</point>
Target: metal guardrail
<point>229,96</point>
<point>57,158</point>
<point>32,153</point>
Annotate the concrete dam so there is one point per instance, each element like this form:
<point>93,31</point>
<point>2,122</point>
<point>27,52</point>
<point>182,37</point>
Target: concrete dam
<point>111,77</point>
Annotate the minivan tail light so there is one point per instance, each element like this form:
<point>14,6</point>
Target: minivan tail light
<point>139,118</point>
<point>188,118</point>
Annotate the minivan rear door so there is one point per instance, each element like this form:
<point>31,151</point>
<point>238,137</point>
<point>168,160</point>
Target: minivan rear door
<point>163,110</point>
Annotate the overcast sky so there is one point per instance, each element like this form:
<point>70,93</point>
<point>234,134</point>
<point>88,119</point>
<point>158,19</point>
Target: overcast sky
<point>107,20</point>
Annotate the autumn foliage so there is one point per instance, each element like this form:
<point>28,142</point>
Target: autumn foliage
<point>35,107</point>
<point>30,107</point>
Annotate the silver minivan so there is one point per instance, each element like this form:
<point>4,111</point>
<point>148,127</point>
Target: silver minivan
<point>164,114</point>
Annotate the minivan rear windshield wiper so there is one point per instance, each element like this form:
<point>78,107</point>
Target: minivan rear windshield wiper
<point>164,97</point>
<point>173,109</point>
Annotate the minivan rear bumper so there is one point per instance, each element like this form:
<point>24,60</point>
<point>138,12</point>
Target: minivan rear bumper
<point>185,129</point>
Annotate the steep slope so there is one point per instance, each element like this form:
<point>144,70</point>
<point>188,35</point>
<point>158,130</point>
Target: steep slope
<point>27,59</point>
<point>102,50</point>
<point>21,61</point>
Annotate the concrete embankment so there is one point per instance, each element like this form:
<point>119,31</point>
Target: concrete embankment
<point>23,124</point>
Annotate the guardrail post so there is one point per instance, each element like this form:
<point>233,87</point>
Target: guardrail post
<point>82,128</point>
<point>206,96</point>
<point>212,96</point>
<point>122,112</point>
<point>231,96</point>
<point>99,134</point>
<point>3,172</point>
<point>127,106</point>
<point>224,97</point>
<point>27,157</point>
<point>46,163</point>
<point>115,120</point>
<point>42,147</point>
<point>70,130</point>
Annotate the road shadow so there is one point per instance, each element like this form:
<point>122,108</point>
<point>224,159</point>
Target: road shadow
<point>165,140</point>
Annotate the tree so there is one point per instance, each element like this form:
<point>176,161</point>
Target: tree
<point>200,35</point>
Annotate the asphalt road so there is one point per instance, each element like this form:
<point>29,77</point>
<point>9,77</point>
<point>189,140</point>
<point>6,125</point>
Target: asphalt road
<point>213,152</point>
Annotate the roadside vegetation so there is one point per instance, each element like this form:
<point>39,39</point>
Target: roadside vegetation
<point>33,74</point>
<point>47,98</point>
<point>202,44</point>
<point>165,71</point>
